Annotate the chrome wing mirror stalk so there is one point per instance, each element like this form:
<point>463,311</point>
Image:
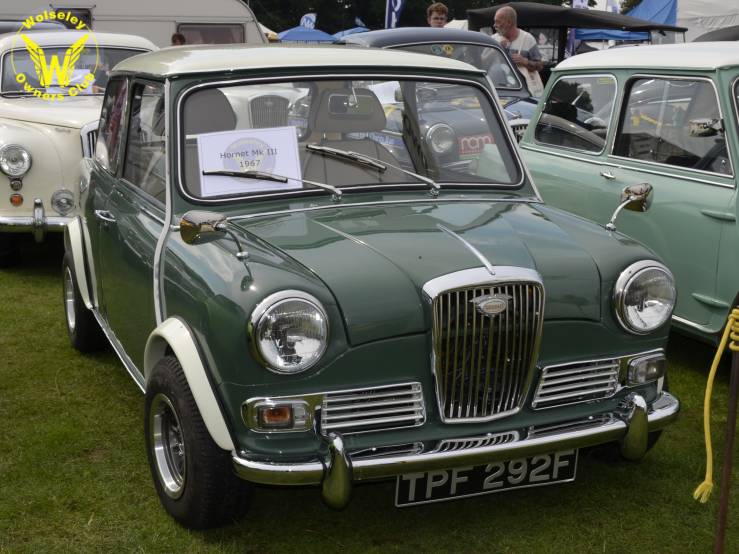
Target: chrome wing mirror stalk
<point>200,227</point>
<point>636,198</point>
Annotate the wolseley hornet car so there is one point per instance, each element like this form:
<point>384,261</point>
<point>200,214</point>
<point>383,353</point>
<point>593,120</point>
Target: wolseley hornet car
<point>301,307</point>
<point>665,116</point>
<point>51,89</point>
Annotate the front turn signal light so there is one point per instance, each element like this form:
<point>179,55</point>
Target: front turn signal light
<point>16,199</point>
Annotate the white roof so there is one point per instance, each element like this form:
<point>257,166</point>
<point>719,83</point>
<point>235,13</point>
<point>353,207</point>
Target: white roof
<point>65,38</point>
<point>691,55</point>
<point>233,57</point>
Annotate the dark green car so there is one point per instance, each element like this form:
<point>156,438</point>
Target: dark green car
<point>301,307</point>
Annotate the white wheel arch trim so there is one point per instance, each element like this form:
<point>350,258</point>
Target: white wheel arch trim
<point>174,334</point>
<point>74,232</point>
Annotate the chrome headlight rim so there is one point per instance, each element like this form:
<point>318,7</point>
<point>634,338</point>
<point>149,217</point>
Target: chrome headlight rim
<point>623,282</point>
<point>261,310</point>
<point>24,153</point>
<point>435,128</point>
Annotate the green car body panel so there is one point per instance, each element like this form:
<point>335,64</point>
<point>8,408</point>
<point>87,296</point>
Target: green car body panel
<point>692,221</point>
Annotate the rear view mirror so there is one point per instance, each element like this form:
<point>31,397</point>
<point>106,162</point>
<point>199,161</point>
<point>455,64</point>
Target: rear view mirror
<point>705,127</point>
<point>199,227</point>
<point>636,198</point>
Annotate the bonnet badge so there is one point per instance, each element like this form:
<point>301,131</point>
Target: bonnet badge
<point>491,305</point>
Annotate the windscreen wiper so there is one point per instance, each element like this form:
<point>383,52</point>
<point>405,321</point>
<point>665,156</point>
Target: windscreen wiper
<point>336,193</point>
<point>369,161</point>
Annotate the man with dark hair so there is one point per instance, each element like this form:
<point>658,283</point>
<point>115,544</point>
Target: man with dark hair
<point>436,14</point>
<point>522,47</point>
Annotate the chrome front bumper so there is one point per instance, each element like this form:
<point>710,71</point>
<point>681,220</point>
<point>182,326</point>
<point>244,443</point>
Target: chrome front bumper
<point>38,223</point>
<point>630,426</point>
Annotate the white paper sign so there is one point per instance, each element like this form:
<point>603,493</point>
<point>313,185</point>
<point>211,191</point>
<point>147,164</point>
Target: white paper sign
<point>273,150</point>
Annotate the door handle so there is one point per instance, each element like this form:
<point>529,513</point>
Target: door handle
<point>607,175</point>
<point>105,215</point>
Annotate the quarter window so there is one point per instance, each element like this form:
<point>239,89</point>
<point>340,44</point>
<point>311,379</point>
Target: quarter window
<point>146,159</point>
<point>674,122</point>
<point>111,124</point>
<point>577,113</point>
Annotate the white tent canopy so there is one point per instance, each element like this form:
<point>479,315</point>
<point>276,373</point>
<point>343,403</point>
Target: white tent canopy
<point>701,16</point>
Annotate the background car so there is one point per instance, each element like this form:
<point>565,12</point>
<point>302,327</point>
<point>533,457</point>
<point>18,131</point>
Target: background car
<point>43,139</point>
<point>667,117</point>
<point>477,49</point>
<point>301,307</point>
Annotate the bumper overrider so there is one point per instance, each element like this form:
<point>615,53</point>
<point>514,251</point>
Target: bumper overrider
<point>38,223</point>
<point>630,426</point>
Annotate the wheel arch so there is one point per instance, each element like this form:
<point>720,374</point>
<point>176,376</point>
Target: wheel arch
<point>73,243</point>
<point>175,336</point>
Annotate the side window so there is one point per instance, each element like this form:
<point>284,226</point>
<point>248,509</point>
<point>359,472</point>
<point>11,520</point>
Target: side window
<point>577,113</point>
<point>112,124</point>
<point>146,157</point>
<point>674,122</point>
<point>211,33</point>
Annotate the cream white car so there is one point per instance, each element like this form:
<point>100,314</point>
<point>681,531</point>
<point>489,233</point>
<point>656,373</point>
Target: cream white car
<point>46,129</point>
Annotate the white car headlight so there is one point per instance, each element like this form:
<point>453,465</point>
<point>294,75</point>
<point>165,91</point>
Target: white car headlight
<point>289,331</point>
<point>441,137</point>
<point>15,161</point>
<point>644,296</point>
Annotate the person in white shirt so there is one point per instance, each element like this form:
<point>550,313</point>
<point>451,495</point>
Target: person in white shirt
<point>521,46</point>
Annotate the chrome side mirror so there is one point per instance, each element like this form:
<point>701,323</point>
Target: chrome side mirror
<point>636,198</point>
<point>199,227</point>
<point>705,127</point>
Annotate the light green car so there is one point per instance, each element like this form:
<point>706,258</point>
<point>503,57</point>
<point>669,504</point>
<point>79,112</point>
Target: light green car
<point>666,116</point>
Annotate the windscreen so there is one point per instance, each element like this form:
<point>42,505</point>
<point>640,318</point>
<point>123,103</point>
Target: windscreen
<point>343,133</point>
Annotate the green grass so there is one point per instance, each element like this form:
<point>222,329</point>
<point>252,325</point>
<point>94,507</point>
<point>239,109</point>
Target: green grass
<point>74,476</point>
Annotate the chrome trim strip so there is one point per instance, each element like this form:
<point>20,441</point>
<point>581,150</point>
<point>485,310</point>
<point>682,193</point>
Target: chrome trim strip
<point>423,200</point>
<point>469,247</point>
<point>131,368</point>
<point>28,223</point>
<point>663,411</point>
<point>604,163</point>
<point>493,96</point>
<point>87,150</point>
<point>665,77</point>
<point>477,276</point>
<point>562,77</point>
<point>160,305</point>
<point>688,323</point>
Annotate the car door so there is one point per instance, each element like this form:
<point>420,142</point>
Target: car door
<point>569,144</point>
<point>670,135</point>
<point>103,175</point>
<point>136,208</point>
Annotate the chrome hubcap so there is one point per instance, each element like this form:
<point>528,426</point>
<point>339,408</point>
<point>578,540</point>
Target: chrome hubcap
<point>168,445</point>
<point>69,300</point>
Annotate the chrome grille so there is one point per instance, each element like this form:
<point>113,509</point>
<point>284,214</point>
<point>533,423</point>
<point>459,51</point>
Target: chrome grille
<point>89,139</point>
<point>268,111</point>
<point>576,382</point>
<point>386,451</point>
<point>519,130</point>
<point>476,442</point>
<point>483,363</point>
<point>373,409</point>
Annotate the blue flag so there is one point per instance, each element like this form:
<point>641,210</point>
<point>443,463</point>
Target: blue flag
<point>393,8</point>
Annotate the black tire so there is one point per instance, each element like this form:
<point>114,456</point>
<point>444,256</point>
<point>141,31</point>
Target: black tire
<point>194,478</point>
<point>84,332</point>
<point>10,252</point>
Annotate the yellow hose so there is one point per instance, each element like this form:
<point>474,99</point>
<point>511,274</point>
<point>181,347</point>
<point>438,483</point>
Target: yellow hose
<point>703,491</point>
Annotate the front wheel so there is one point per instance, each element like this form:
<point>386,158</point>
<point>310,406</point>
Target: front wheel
<point>193,477</point>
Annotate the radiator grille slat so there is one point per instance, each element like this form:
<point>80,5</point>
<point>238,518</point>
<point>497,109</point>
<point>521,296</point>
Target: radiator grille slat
<point>482,362</point>
<point>576,382</point>
<point>373,409</point>
<point>268,111</point>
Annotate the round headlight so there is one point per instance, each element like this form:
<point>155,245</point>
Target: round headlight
<point>15,161</point>
<point>644,296</point>
<point>62,201</point>
<point>289,331</point>
<point>441,137</point>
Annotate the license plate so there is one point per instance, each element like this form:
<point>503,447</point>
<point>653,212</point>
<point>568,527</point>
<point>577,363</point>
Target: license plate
<point>460,482</point>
